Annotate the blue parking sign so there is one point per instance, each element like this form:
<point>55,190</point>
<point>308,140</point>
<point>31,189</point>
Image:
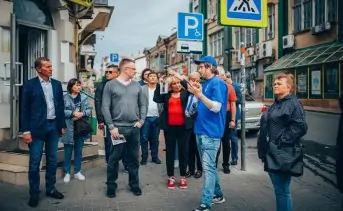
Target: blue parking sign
<point>114,58</point>
<point>190,26</point>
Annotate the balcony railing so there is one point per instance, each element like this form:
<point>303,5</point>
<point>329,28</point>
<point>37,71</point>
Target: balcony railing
<point>101,3</point>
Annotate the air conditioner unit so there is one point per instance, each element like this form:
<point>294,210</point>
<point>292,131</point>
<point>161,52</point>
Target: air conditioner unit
<point>266,50</point>
<point>251,51</point>
<point>288,41</point>
<point>257,51</point>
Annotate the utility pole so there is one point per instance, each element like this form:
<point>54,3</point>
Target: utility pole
<point>243,85</point>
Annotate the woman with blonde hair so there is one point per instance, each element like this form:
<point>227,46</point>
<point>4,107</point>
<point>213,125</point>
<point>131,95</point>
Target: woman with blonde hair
<point>279,143</point>
<point>176,125</point>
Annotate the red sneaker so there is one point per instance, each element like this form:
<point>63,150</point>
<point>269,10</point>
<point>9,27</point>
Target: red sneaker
<point>183,183</point>
<point>171,183</point>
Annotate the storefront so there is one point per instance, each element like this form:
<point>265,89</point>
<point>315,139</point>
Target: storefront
<point>317,72</point>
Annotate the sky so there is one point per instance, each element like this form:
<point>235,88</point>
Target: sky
<point>136,24</point>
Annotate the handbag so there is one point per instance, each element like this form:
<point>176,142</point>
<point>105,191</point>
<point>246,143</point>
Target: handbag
<point>283,158</point>
<point>82,127</point>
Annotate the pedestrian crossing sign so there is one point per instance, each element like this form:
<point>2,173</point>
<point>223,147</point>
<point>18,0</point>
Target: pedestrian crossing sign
<point>246,13</point>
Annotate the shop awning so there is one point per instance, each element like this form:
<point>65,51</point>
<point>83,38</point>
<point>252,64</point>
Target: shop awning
<point>309,56</point>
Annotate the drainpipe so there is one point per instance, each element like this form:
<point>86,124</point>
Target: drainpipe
<point>203,10</point>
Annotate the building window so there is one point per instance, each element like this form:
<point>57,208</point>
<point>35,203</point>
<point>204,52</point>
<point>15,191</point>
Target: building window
<point>246,35</point>
<point>302,82</point>
<point>217,43</point>
<point>269,32</point>
<point>331,81</point>
<point>316,82</point>
<point>309,13</point>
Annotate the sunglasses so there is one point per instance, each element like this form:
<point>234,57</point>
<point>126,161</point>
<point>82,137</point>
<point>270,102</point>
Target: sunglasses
<point>109,72</point>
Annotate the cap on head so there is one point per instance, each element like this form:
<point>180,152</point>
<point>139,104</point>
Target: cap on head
<point>207,59</point>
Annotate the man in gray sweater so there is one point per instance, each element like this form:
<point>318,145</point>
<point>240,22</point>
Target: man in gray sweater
<point>124,107</point>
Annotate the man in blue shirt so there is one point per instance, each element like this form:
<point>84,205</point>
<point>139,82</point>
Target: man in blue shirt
<point>209,128</point>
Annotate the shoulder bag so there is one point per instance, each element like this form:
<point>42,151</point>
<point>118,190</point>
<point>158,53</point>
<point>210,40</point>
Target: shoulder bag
<point>282,158</point>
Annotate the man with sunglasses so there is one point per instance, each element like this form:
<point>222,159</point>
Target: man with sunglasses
<point>209,128</point>
<point>112,72</point>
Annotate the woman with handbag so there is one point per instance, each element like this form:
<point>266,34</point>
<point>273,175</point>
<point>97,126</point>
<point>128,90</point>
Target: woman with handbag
<point>77,110</point>
<point>279,145</point>
<point>176,125</point>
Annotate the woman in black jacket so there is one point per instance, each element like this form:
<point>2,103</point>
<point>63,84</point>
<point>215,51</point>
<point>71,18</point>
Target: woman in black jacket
<point>176,126</point>
<point>284,123</point>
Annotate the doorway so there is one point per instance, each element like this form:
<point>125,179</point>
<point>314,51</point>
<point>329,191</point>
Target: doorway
<point>31,44</point>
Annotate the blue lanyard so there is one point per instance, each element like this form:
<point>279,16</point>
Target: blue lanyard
<point>190,103</point>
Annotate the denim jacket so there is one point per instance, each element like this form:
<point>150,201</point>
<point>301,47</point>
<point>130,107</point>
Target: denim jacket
<point>69,109</point>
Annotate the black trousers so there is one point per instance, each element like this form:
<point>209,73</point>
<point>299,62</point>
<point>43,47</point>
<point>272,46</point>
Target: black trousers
<point>226,142</point>
<point>181,135</point>
<point>193,155</point>
<point>132,144</point>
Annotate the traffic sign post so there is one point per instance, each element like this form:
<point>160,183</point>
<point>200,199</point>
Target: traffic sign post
<point>246,13</point>
<point>190,34</point>
<point>114,58</point>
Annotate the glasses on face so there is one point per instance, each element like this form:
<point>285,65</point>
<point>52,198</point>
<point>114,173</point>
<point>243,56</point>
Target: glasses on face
<point>200,67</point>
<point>109,72</point>
<point>194,80</point>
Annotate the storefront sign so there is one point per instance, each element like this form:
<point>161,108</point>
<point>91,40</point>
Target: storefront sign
<point>85,3</point>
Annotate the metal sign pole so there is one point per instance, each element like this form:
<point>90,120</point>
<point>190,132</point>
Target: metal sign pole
<point>243,85</point>
<point>189,63</point>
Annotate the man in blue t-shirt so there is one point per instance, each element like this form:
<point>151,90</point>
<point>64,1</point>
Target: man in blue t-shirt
<point>209,128</point>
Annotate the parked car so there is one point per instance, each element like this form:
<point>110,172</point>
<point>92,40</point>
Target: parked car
<point>254,110</point>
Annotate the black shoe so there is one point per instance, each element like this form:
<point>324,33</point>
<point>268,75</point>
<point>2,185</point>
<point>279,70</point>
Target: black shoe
<point>157,161</point>
<point>111,192</point>
<point>226,170</point>
<point>143,162</point>
<point>203,207</point>
<point>234,163</point>
<point>54,194</point>
<point>136,191</point>
<point>33,202</point>
<point>189,174</point>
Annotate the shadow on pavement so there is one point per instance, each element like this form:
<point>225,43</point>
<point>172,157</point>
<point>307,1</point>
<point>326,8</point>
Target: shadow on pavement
<point>320,160</point>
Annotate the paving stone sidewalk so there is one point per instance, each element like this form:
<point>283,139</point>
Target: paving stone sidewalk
<point>247,191</point>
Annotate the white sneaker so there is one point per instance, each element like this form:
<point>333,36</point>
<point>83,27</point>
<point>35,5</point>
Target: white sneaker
<point>79,176</point>
<point>66,178</point>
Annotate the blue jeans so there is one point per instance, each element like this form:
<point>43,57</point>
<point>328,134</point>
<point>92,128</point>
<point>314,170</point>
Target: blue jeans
<point>208,148</point>
<point>234,144</point>
<point>282,188</point>
<point>36,152</point>
<point>68,151</point>
<point>108,145</point>
<point>150,132</point>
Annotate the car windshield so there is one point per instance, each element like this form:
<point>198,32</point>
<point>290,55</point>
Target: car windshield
<point>249,98</point>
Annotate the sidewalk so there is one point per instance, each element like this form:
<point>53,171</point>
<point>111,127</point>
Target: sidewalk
<point>246,191</point>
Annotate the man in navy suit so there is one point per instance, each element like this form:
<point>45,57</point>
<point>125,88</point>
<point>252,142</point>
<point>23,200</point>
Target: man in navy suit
<point>43,122</point>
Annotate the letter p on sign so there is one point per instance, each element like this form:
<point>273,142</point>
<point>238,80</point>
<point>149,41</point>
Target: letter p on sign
<point>188,25</point>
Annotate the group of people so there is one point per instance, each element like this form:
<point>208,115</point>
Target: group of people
<point>196,117</point>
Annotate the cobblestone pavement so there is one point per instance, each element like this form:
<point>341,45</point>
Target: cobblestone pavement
<point>249,190</point>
